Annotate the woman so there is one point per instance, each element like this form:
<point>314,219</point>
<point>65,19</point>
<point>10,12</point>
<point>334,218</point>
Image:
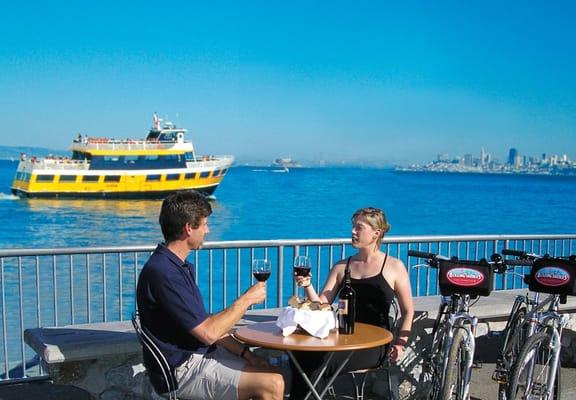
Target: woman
<point>377,278</point>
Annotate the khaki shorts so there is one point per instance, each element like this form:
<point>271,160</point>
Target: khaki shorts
<point>214,375</point>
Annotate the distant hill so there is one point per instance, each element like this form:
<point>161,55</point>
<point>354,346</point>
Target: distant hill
<point>13,153</point>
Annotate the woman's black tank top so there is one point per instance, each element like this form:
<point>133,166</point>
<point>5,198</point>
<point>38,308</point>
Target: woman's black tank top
<point>373,298</point>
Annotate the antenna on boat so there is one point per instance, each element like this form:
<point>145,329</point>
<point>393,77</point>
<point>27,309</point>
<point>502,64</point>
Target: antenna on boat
<point>156,122</point>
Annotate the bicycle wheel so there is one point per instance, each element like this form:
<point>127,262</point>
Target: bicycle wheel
<point>456,369</point>
<point>530,374</point>
<point>433,365</point>
<point>514,340</point>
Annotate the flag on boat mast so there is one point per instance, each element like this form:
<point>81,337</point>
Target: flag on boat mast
<point>156,122</point>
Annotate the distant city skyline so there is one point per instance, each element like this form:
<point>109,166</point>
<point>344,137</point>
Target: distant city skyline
<point>367,83</point>
<point>513,156</point>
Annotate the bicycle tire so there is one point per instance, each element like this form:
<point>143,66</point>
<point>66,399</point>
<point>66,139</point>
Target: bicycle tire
<point>536,353</point>
<point>515,338</point>
<point>433,369</point>
<point>456,367</point>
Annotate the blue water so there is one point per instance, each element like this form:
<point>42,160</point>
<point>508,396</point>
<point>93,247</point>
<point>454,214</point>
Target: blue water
<point>305,203</point>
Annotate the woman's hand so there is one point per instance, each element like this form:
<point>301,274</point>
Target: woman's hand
<point>396,353</point>
<point>303,281</point>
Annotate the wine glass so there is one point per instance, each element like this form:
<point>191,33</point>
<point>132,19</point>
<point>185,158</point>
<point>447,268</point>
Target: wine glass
<point>302,266</point>
<point>261,269</point>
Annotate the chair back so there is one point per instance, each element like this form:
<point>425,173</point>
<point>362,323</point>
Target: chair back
<point>162,379</point>
<point>393,315</point>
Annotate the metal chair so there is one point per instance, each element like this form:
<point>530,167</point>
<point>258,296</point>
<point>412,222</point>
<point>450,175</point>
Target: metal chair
<point>359,386</point>
<point>163,382</point>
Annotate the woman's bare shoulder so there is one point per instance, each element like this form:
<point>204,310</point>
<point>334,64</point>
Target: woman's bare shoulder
<point>340,264</point>
<point>396,265</point>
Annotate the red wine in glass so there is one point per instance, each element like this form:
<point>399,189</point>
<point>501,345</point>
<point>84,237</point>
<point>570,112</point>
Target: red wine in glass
<point>302,265</point>
<point>261,276</point>
<point>302,270</point>
<point>261,270</point>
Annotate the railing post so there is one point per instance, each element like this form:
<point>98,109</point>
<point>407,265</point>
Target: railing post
<point>280,275</point>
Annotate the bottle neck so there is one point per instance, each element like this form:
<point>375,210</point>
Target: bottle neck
<point>347,279</point>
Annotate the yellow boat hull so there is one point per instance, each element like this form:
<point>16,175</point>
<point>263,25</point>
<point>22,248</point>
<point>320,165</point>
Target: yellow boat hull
<point>124,185</point>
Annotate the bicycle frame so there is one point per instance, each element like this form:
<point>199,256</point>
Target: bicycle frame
<point>533,307</point>
<point>453,314</point>
<point>552,323</point>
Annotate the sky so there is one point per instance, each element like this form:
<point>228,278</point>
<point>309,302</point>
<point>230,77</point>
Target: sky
<point>362,81</point>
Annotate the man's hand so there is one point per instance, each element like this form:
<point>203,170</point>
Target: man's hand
<point>256,293</point>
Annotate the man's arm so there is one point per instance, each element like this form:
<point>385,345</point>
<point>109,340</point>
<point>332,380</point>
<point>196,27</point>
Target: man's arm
<point>218,325</point>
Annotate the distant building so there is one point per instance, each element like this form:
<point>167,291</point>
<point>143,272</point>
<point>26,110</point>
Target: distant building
<point>442,157</point>
<point>512,154</point>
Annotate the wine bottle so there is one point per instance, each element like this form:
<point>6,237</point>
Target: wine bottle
<point>346,307</point>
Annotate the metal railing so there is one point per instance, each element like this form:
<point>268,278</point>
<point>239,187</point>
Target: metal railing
<point>56,287</point>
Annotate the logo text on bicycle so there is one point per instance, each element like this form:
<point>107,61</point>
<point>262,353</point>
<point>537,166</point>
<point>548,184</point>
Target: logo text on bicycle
<point>552,276</point>
<point>464,277</point>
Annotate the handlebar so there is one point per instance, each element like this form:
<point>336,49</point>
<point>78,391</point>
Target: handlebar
<point>521,261</point>
<point>529,258</point>
<point>515,253</point>
<point>496,261</point>
<point>423,254</point>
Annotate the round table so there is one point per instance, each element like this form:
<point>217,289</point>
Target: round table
<point>267,334</point>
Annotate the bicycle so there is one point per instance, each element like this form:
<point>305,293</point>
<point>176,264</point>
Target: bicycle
<point>531,350</point>
<point>449,363</point>
<point>515,332</point>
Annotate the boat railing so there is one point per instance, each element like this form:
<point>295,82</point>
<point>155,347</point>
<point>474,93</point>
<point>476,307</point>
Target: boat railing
<point>63,286</point>
<point>129,145</point>
<point>210,161</point>
<point>56,163</point>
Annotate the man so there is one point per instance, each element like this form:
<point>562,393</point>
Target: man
<point>205,360</point>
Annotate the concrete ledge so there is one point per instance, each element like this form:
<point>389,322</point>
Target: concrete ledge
<point>82,342</point>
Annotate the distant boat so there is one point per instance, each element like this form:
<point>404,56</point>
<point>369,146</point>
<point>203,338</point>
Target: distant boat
<point>286,163</point>
<point>109,168</point>
<point>271,169</point>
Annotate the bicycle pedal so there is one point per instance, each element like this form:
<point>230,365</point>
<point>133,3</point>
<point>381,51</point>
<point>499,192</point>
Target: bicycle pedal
<point>500,376</point>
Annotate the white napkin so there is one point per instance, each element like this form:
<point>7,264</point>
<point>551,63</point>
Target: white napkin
<point>316,323</point>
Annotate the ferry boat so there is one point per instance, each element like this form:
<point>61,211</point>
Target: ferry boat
<point>108,168</point>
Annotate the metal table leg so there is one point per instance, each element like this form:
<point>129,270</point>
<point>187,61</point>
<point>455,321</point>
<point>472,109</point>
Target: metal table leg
<point>323,367</point>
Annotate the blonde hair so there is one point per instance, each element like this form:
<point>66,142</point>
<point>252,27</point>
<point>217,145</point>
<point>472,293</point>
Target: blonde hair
<point>375,218</point>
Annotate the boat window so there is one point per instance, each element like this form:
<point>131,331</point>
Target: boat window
<point>172,177</point>
<point>23,176</point>
<point>217,172</point>
<point>153,177</point>
<point>67,178</point>
<point>224,171</point>
<point>205,174</point>
<point>151,157</point>
<point>111,158</point>
<point>130,159</point>
<point>112,178</point>
<point>90,178</point>
<point>44,178</point>
<point>189,156</point>
<point>191,175</point>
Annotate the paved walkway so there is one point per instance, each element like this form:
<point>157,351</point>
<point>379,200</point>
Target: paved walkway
<point>482,387</point>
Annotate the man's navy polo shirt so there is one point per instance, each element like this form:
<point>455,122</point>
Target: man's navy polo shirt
<point>170,305</point>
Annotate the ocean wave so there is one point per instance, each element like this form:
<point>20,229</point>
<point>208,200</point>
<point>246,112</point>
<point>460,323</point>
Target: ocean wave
<point>8,196</point>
